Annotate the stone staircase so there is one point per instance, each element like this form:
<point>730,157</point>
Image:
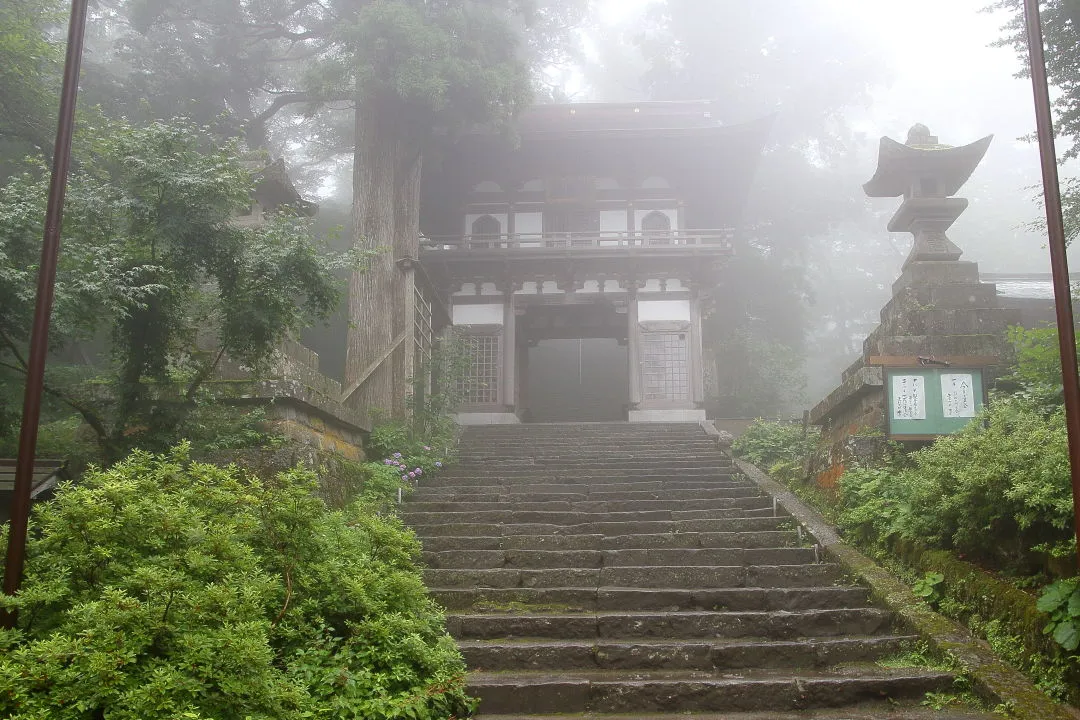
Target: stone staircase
<point>622,569</point>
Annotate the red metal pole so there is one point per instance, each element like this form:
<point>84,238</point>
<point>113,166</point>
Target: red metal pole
<point>39,334</point>
<point>1058,261</point>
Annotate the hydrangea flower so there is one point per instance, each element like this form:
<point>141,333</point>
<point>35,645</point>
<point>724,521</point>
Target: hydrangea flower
<point>412,475</point>
<point>404,478</point>
<point>397,455</point>
<point>419,471</point>
<point>426,447</point>
<point>438,464</point>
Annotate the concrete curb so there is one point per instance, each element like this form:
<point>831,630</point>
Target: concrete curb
<point>992,679</point>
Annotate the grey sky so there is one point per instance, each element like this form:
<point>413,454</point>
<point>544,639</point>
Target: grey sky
<point>945,75</point>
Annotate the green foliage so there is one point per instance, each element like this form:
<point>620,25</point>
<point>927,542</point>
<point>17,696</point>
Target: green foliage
<point>872,501</point>
<point>1061,601</point>
<point>62,439</point>
<point>439,387</point>
<point>153,261</point>
<point>763,376</point>
<point>997,491</point>
<point>30,56</point>
<point>928,587</point>
<point>1036,372</point>
<point>163,588</point>
<point>766,442</point>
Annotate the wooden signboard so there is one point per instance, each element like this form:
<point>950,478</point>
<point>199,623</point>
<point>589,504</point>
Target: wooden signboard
<point>925,401</point>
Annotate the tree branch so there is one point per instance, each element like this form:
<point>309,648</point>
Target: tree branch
<point>201,376</point>
<point>87,414</point>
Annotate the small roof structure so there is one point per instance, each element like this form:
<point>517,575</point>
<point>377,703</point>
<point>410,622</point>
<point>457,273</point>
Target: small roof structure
<point>901,164</point>
<point>274,188</point>
<point>47,473</point>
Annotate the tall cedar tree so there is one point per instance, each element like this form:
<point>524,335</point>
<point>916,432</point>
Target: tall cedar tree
<point>403,67</point>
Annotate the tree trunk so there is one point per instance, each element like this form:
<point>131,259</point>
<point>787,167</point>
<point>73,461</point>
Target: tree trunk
<point>386,175</point>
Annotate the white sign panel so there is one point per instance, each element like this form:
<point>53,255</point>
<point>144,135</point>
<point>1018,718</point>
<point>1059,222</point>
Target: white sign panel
<point>909,397</point>
<point>958,395</point>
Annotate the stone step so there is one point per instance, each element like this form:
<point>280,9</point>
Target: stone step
<point>664,557</point>
<point>577,481</point>
<point>684,577</point>
<point>681,691</point>
<point>577,459</point>
<point>594,465</point>
<point>441,491</point>
<point>667,654</point>
<point>670,625</point>
<point>612,428</point>
<point>735,507</point>
<point>731,499</point>
<point>732,524</point>
<point>580,485</point>
<point>761,539</point>
<point>873,710</point>
<point>666,599</point>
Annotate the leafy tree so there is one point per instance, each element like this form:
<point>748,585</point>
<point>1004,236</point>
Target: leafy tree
<point>405,67</point>
<point>1061,34</point>
<point>155,268</point>
<point>31,62</point>
<point>163,588</point>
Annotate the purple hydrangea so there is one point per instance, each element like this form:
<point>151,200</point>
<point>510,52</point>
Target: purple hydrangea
<point>397,455</point>
<point>404,478</point>
<point>419,471</point>
<point>412,475</point>
<point>387,461</point>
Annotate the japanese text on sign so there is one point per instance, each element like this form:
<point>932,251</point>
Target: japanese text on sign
<point>958,395</point>
<point>909,397</point>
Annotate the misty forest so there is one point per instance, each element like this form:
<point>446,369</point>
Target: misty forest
<point>431,359</point>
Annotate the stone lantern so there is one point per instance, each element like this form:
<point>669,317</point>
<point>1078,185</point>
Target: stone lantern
<point>926,174</point>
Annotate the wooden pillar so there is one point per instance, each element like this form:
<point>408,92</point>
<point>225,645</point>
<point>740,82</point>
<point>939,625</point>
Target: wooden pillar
<point>508,389</point>
<point>697,364</point>
<point>633,344</point>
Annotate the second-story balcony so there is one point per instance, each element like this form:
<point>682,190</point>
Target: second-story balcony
<point>574,256</point>
<point>589,243</point>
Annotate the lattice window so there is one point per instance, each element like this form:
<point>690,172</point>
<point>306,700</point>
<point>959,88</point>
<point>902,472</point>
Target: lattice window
<point>480,386</point>
<point>665,366</point>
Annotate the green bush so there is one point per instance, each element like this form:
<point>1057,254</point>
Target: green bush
<point>766,443</point>
<point>163,588</point>
<point>997,491</point>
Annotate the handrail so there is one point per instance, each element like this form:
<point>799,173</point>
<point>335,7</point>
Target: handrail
<point>582,240</point>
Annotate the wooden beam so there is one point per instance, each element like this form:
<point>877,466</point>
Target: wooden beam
<point>913,361</point>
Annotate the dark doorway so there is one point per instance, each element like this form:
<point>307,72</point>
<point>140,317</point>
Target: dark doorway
<point>577,380</point>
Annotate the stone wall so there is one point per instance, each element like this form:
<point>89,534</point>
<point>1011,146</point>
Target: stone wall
<point>301,403</point>
<point>939,309</point>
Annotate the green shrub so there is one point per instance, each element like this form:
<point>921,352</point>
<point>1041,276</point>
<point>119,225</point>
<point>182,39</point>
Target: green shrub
<point>997,491</point>
<point>766,443</point>
<point>163,588</point>
<point>1061,601</point>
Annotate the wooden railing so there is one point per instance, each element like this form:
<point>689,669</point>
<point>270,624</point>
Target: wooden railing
<point>722,239</point>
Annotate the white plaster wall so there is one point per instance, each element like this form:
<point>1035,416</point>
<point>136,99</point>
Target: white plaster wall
<point>529,223</point>
<point>488,314</point>
<point>653,310</point>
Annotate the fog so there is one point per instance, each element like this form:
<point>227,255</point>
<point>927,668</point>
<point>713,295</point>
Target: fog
<point>833,76</point>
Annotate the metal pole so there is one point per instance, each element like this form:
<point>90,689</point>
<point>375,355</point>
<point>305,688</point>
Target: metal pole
<point>39,334</point>
<point>1058,260</point>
